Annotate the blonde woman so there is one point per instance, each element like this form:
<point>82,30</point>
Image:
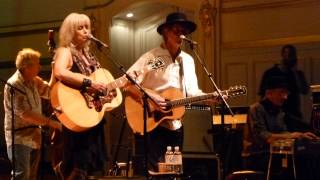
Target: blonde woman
<point>83,152</point>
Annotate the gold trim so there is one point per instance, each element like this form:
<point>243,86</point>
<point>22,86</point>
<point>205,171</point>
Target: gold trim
<point>261,5</point>
<point>27,28</point>
<point>273,42</point>
<point>97,6</point>
<point>315,88</point>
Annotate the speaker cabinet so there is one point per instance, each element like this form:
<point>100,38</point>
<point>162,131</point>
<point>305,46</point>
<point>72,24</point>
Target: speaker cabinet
<point>204,166</point>
<point>197,123</point>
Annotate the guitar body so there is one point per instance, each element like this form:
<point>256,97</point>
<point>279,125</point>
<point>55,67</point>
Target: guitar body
<point>73,111</point>
<point>174,100</point>
<point>155,117</point>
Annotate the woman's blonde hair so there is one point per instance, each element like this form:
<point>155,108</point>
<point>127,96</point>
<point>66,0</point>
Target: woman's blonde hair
<point>27,56</point>
<point>69,27</point>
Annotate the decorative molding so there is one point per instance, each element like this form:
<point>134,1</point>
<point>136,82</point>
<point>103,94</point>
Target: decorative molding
<point>31,28</point>
<point>89,4</point>
<point>6,64</point>
<point>245,5</point>
<point>207,14</point>
<point>232,67</point>
<point>273,42</point>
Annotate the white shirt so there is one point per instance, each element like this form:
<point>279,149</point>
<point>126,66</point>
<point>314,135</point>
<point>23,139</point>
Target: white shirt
<point>31,101</point>
<point>169,76</point>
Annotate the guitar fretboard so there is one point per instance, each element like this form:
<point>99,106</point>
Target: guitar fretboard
<point>120,82</point>
<point>189,100</point>
<point>233,91</point>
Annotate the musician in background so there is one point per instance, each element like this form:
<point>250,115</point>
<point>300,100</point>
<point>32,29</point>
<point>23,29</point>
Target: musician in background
<point>83,152</point>
<point>178,72</point>
<point>27,114</point>
<point>267,124</point>
<point>297,85</point>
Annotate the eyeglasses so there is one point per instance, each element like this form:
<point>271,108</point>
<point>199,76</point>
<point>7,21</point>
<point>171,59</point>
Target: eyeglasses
<point>178,29</point>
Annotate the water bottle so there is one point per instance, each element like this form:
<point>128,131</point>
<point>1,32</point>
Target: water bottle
<point>169,159</point>
<point>130,170</point>
<point>169,155</point>
<point>177,156</point>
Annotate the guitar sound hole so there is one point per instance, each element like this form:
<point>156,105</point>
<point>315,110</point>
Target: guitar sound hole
<point>158,115</point>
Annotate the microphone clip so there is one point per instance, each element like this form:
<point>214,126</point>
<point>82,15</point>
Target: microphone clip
<point>97,41</point>
<point>190,41</point>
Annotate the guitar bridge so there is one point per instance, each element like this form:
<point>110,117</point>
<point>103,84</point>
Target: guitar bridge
<point>87,98</point>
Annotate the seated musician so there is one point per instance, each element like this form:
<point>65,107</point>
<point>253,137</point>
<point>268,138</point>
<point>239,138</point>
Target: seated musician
<point>267,125</point>
<point>27,117</point>
<point>178,72</point>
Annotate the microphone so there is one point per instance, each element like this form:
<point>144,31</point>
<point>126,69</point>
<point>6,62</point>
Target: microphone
<point>51,44</point>
<point>183,37</point>
<point>97,41</point>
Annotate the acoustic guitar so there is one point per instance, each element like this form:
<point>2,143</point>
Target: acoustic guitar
<point>79,111</point>
<point>175,106</point>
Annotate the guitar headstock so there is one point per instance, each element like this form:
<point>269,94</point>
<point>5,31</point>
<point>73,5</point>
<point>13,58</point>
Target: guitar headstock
<point>236,90</point>
<point>51,44</point>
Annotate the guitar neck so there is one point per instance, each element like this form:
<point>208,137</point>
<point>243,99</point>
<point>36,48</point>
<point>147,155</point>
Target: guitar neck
<point>189,100</point>
<point>118,83</point>
<point>121,82</point>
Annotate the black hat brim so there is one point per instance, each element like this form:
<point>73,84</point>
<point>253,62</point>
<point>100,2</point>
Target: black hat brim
<point>275,82</point>
<point>189,26</point>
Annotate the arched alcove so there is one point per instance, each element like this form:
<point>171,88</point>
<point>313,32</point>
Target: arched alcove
<point>129,38</point>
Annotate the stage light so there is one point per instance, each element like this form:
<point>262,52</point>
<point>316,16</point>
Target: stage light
<point>129,15</point>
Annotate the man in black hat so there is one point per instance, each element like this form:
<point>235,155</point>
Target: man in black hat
<point>178,72</point>
<point>297,85</point>
<point>266,123</point>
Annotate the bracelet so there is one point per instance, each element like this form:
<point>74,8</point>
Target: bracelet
<point>85,83</point>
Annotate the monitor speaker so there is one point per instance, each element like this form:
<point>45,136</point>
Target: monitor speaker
<point>197,123</point>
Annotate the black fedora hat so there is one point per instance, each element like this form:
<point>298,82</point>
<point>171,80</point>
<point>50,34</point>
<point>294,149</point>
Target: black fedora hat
<point>178,18</point>
<point>275,82</point>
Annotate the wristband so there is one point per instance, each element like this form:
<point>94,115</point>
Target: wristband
<point>86,83</point>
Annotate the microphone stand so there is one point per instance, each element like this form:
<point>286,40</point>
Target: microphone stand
<point>210,77</point>
<point>12,94</point>
<point>115,169</point>
<point>146,110</point>
<point>225,104</point>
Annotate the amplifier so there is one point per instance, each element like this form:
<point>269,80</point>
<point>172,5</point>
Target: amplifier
<point>315,89</point>
<point>197,122</point>
<point>115,177</point>
<point>204,166</point>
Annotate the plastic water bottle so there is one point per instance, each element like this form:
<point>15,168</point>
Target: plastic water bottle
<point>177,157</point>
<point>168,158</point>
<point>130,170</point>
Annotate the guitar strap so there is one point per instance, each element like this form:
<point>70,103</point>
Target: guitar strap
<point>83,67</point>
<point>181,73</point>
